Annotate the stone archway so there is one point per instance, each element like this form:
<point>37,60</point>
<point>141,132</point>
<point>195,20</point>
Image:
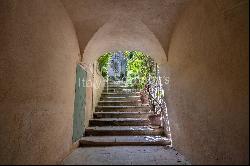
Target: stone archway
<point>121,34</point>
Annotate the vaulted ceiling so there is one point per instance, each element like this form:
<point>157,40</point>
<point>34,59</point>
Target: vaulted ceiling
<point>160,16</point>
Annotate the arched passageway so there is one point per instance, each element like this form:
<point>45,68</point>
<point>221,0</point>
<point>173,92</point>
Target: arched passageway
<point>117,35</point>
<point>201,46</point>
<point>131,112</point>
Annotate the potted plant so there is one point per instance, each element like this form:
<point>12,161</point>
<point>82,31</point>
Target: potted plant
<point>144,97</point>
<point>155,119</point>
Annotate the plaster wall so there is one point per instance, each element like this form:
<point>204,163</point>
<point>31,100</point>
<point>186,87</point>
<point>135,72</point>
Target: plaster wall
<point>208,92</point>
<point>38,55</point>
<point>159,16</point>
<point>118,35</point>
<point>94,86</point>
<point>208,69</point>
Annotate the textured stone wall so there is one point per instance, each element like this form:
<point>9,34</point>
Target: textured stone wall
<point>208,91</point>
<point>38,54</point>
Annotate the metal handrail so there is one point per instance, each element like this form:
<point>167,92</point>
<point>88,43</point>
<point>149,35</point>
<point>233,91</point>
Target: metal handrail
<point>155,87</point>
<point>157,101</point>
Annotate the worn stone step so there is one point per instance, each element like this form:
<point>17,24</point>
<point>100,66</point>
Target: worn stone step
<point>121,93</point>
<point>119,122</point>
<point>104,94</point>
<point>119,90</point>
<point>115,84</point>
<point>122,109</point>
<point>92,141</point>
<point>124,131</point>
<point>119,87</point>
<point>119,98</point>
<point>121,114</point>
<point>112,81</point>
<point>119,103</point>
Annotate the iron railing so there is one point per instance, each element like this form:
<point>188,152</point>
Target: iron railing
<point>157,101</point>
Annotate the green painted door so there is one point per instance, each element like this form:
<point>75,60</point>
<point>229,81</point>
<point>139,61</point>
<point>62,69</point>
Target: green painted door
<point>79,104</point>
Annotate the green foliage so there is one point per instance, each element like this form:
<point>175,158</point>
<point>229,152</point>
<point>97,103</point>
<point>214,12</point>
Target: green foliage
<point>103,62</point>
<point>139,67</point>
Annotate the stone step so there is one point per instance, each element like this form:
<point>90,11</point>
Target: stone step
<point>112,81</point>
<point>121,93</point>
<point>123,86</point>
<point>119,98</point>
<point>117,87</point>
<point>119,122</point>
<point>119,90</point>
<point>115,84</point>
<point>124,131</point>
<point>121,115</point>
<point>119,103</point>
<point>92,141</point>
<point>122,109</point>
<point>104,94</point>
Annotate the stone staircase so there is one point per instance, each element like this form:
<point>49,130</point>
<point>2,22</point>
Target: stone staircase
<point>121,120</point>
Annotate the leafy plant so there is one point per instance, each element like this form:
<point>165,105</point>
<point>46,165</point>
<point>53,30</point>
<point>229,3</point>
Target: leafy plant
<point>139,67</point>
<point>103,62</point>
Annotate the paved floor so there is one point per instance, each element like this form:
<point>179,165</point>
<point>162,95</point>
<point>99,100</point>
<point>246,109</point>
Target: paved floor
<point>125,155</point>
